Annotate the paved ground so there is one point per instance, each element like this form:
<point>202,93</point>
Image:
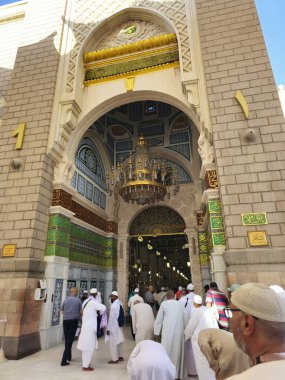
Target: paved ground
<point>45,365</point>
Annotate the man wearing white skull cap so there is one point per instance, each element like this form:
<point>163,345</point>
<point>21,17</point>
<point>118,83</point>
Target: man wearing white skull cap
<point>87,341</point>
<point>257,316</point>
<point>131,302</point>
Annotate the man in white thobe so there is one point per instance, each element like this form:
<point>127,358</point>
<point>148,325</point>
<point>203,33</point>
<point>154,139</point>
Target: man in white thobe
<point>201,318</point>
<point>87,341</point>
<point>170,322</point>
<point>143,321</point>
<point>187,301</point>
<point>114,332</point>
<point>149,361</point>
<point>132,300</point>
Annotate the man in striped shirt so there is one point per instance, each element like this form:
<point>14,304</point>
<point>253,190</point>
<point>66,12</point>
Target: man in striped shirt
<point>216,297</point>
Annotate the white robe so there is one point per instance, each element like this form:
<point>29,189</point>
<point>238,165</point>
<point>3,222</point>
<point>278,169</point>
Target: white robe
<point>149,361</point>
<point>201,318</point>
<point>188,302</point>
<point>116,336</point>
<point>170,322</point>
<point>188,350</point>
<point>143,322</point>
<point>88,335</point>
<point>132,300</point>
<point>274,370</point>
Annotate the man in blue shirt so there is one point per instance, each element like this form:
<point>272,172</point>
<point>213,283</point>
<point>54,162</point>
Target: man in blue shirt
<point>71,308</point>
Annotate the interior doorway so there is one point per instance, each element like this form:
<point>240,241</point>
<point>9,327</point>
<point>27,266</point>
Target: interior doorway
<point>159,253</point>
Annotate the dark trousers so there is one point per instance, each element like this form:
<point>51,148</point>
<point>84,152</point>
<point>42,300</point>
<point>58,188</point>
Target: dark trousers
<point>69,329</point>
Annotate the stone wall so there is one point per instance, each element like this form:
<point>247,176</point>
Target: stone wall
<point>25,194</point>
<point>249,151</point>
<point>251,172</point>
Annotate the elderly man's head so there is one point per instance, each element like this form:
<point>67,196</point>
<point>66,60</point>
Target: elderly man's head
<point>257,318</point>
<point>170,294</point>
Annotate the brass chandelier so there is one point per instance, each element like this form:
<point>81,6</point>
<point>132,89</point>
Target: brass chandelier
<point>143,180</point>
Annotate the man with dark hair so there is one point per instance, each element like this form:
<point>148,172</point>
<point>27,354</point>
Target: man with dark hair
<point>218,300</point>
<point>149,298</point>
<point>257,316</point>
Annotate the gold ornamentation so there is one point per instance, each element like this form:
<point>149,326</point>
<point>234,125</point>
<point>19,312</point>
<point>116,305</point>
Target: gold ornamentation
<point>150,43</point>
<point>9,250</point>
<point>12,17</point>
<point>257,238</point>
<point>20,133</point>
<point>212,180</point>
<point>129,83</point>
<point>243,103</point>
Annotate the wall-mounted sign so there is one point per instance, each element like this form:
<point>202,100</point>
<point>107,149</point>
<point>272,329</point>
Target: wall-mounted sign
<point>257,238</point>
<point>9,250</point>
<point>254,219</point>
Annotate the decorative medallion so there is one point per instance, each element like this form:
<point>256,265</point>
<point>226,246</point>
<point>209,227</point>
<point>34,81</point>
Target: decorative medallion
<point>214,206</point>
<point>218,239</point>
<point>257,238</point>
<point>129,30</point>
<point>202,242</point>
<point>254,219</point>
<point>211,180</point>
<point>204,259</point>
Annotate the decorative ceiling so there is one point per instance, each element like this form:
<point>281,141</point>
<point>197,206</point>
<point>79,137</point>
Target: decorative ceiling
<point>157,220</point>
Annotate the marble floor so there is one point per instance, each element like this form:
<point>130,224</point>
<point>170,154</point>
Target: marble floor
<point>45,365</point>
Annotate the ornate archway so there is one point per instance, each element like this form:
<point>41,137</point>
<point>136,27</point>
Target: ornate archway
<point>158,249</point>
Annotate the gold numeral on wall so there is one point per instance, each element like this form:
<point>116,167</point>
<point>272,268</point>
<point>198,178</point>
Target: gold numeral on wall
<point>20,132</point>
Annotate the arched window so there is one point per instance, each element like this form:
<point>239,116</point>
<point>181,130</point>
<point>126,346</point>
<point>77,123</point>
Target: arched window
<point>89,178</point>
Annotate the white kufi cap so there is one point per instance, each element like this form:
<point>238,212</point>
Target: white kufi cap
<point>198,299</point>
<point>190,287</point>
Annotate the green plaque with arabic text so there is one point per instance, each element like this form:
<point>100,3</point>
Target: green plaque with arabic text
<point>254,219</point>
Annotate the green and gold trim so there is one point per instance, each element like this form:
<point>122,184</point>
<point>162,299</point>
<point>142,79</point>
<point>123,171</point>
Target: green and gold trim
<point>140,57</point>
<point>134,47</point>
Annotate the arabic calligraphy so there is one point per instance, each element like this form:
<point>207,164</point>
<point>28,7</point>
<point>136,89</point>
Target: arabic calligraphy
<point>254,219</point>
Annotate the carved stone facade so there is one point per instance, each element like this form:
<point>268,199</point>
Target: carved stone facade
<point>59,220</point>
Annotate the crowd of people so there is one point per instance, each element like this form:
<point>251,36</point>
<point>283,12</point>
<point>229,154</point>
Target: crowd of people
<point>211,337</point>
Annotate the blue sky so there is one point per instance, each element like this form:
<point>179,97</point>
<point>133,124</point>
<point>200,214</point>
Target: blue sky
<point>272,18</point>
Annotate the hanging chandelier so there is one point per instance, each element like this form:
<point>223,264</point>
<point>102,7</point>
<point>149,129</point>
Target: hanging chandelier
<point>142,179</point>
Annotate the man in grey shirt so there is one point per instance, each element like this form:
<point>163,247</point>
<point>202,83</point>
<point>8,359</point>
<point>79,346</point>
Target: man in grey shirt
<point>71,308</point>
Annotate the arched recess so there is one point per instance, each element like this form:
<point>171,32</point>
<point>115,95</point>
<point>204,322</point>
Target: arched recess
<point>158,250</point>
<point>120,99</point>
<point>112,22</point>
